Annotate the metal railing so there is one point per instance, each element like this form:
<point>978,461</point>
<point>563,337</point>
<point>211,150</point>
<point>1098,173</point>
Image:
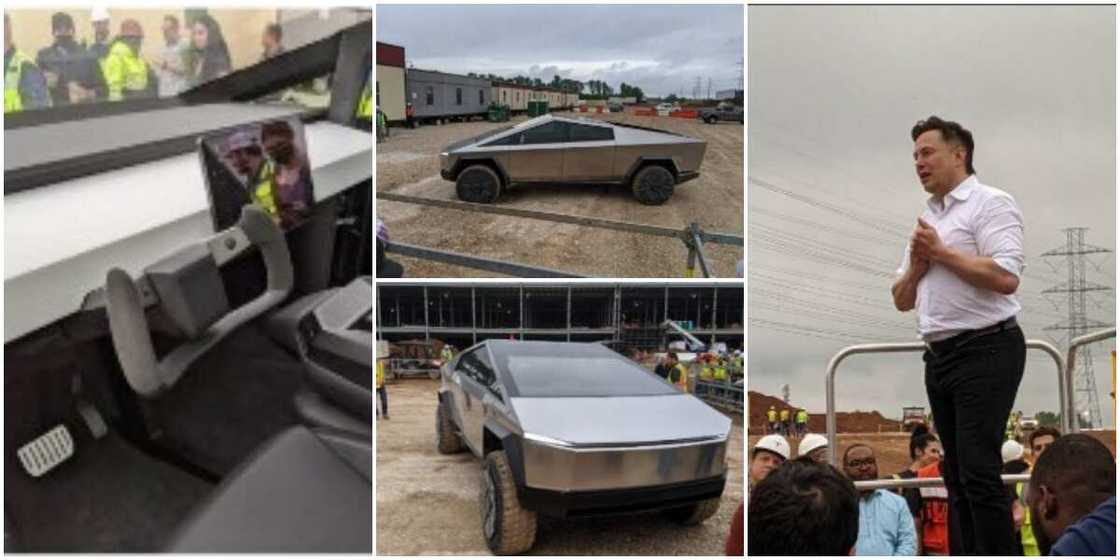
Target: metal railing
<point>720,394</point>
<point>1008,479</point>
<point>1070,425</point>
<point>896,347</point>
<point>692,235</point>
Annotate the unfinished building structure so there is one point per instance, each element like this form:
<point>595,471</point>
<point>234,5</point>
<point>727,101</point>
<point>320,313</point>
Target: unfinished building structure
<point>628,314</point>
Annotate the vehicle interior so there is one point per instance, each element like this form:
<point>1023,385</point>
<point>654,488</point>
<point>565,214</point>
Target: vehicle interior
<point>174,387</point>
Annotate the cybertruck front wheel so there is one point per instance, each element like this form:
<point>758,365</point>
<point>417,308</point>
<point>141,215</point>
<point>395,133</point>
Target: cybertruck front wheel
<point>447,439</point>
<point>478,183</point>
<point>694,514</point>
<point>653,185</point>
<point>507,527</point>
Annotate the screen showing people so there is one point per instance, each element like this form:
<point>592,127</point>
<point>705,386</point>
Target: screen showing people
<point>265,164</point>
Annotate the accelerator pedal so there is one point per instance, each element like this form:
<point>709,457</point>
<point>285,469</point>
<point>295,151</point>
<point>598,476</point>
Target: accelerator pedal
<point>46,451</point>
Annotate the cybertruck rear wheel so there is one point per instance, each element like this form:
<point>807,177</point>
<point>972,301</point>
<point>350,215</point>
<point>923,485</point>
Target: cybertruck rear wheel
<point>447,439</point>
<point>653,185</point>
<point>507,527</point>
<point>478,183</point>
<point>695,514</point>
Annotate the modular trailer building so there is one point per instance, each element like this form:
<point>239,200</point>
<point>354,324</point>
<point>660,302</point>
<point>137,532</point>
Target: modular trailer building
<point>439,95</point>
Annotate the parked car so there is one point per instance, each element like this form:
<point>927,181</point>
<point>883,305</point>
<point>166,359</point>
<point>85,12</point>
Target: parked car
<point>551,149</point>
<point>722,112</point>
<point>1028,423</point>
<point>574,429</point>
<point>667,107</point>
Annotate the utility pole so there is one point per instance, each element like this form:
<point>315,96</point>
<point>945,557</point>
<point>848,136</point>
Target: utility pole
<point>709,88</point>
<point>696,89</point>
<point>1076,287</point>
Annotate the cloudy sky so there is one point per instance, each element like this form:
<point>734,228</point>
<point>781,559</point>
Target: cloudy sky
<point>661,49</point>
<point>833,92</point>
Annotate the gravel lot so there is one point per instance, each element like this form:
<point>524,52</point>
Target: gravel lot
<point>427,503</point>
<point>408,163</point>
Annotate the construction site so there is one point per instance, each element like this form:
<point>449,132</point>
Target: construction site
<point>566,233</point>
<point>428,502</point>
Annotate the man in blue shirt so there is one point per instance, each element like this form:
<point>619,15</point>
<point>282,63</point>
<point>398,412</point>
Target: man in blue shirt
<point>885,525</point>
<point>1072,496</point>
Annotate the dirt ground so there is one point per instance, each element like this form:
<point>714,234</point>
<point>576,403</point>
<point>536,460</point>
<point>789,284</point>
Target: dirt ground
<point>408,163</point>
<point>427,503</point>
<point>893,450</point>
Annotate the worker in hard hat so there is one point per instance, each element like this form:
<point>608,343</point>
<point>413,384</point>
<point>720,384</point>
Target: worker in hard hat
<point>783,419</point>
<point>1014,456</point>
<point>25,87</point>
<point>813,447</point>
<point>801,421</point>
<point>772,420</point>
<point>126,74</point>
<point>100,18</point>
<point>768,453</point>
<point>678,372</point>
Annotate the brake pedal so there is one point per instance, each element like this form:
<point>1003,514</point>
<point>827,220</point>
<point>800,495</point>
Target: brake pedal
<point>47,451</point>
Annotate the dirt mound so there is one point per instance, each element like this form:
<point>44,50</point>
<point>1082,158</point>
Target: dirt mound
<point>846,422</point>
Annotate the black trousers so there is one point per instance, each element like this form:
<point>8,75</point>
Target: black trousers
<point>383,396</point>
<point>971,390</point>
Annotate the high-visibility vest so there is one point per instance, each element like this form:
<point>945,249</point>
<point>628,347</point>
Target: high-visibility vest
<point>682,379</point>
<point>706,372</point>
<point>1030,546</point>
<point>772,415</point>
<point>784,414</point>
<point>365,104</point>
<point>124,71</point>
<point>720,373</point>
<point>802,417</point>
<point>380,373</point>
<point>263,192</point>
<point>13,75</point>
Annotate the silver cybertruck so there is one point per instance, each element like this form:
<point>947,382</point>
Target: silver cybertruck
<point>574,429</point>
<point>550,149</point>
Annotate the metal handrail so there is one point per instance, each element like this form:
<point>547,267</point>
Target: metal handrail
<point>894,347</point>
<point>1071,364</point>
<point>1008,479</point>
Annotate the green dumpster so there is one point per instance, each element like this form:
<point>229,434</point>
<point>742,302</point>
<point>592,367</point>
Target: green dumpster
<point>538,108</point>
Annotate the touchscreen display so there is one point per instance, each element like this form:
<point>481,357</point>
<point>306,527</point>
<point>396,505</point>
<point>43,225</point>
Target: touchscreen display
<point>265,164</point>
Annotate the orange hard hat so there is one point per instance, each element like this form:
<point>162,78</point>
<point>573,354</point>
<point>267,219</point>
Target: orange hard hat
<point>131,28</point>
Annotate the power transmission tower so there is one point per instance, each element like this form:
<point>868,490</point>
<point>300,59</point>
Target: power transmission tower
<point>696,89</point>
<point>1076,287</point>
<point>709,88</point>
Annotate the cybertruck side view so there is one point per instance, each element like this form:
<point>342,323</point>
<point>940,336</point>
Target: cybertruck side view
<point>575,429</point>
<point>550,149</point>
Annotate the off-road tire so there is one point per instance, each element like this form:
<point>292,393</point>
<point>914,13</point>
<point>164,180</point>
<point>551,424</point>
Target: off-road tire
<point>694,514</point>
<point>653,185</point>
<point>478,183</point>
<point>513,528</point>
<point>447,439</point>
<point>711,120</point>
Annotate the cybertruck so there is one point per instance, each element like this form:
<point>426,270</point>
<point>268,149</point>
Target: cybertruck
<point>550,149</point>
<point>572,430</point>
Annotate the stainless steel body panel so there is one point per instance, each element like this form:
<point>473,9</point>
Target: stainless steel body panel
<point>612,421</point>
<point>563,469</point>
<point>535,163</point>
<point>589,161</point>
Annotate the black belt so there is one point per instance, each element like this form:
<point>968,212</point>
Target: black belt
<point>942,347</point>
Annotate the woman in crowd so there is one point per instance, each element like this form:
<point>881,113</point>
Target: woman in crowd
<point>208,55</point>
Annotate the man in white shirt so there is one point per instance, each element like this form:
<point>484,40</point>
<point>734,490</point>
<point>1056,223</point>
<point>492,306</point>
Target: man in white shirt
<point>960,272</point>
<point>170,68</point>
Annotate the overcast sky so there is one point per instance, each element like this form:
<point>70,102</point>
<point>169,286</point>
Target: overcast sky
<point>833,92</point>
<point>661,49</point>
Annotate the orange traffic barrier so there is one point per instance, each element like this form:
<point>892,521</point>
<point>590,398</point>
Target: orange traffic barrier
<point>685,114</point>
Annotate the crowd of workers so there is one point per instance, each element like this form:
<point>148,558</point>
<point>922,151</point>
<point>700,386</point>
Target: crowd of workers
<point>787,422</point>
<point>111,68</point>
<point>803,505</point>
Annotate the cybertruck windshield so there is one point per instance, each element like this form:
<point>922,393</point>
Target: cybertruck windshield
<point>574,370</point>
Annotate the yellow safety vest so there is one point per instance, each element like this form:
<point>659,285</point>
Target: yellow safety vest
<point>124,71</point>
<point>784,415</point>
<point>706,373</point>
<point>1030,546</point>
<point>682,379</point>
<point>772,415</point>
<point>263,192</point>
<point>365,104</point>
<point>721,373</point>
<point>380,373</point>
<point>13,74</point>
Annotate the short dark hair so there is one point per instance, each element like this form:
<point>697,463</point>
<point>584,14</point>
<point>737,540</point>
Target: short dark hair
<point>172,19</point>
<point>61,20</point>
<point>803,508</point>
<point>854,446</point>
<point>277,128</point>
<point>1043,431</point>
<point>920,439</point>
<point>1079,467</point>
<point>275,30</point>
<point>951,132</point>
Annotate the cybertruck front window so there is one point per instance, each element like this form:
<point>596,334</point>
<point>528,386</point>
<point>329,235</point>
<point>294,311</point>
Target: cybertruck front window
<point>83,56</point>
<point>573,375</point>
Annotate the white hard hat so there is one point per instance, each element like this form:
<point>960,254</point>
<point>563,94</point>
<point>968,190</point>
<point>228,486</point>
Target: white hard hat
<point>99,13</point>
<point>809,443</point>
<point>1011,450</point>
<point>773,443</point>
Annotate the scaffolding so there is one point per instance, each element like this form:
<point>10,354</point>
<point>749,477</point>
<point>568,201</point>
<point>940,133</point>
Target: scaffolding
<point>630,315</point>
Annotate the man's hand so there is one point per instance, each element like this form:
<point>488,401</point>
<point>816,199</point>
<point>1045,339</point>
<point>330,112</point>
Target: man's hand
<point>926,242</point>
